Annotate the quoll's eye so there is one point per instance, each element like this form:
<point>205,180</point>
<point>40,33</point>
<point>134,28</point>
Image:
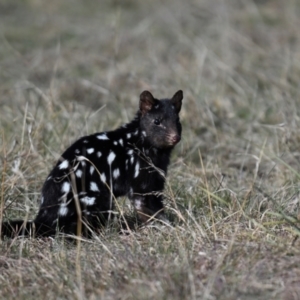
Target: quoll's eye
<point>156,121</point>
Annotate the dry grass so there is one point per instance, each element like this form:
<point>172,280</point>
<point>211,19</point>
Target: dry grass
<point>68,68</point>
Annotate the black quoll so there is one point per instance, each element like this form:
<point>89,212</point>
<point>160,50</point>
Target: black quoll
<point>132,160</point>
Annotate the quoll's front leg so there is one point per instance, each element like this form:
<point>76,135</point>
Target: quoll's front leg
<point>149,206</point>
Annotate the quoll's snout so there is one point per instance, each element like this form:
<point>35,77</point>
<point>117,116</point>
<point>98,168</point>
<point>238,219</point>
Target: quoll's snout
<point>175,139</point>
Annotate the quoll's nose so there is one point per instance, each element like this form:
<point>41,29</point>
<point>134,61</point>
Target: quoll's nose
<point>175,138</point>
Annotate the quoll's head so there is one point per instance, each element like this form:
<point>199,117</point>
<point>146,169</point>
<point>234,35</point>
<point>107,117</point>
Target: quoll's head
<point>160,121</point>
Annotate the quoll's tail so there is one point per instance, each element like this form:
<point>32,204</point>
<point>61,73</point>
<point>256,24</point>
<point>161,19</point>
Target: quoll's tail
<point>15,228</point>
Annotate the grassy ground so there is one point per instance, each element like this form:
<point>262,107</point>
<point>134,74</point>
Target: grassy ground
<point>68,68</point>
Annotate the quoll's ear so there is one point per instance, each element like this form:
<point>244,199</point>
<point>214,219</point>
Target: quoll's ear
<point>146,102</point>
<point>177,100</point>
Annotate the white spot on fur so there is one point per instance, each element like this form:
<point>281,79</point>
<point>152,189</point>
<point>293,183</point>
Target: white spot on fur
<point>131,159</point>
<point>144,133</point>
<point>42,200</point>
<point>90,150</point>
<point>137,170</point>
<point>126,164</point>
<point>92,169</point>
<point>77,151</point>
<point>63,210</point>
<point>103,177</point>
<point>78,173</point>
<point>130,192</point>
<point>136,132</point>
<point>102,136</point>
<point>115,143</point>
<point>137,204</point>
<point>121,142</point>
<point>83,163</point>
<point>94,187</point>
<point>66,187</point>
<point>49,178</point>
<point>130,152</point>
<point>99,154</point>
<point>63,165</point>
<point>85,141</point>
<point>88,200</point>
<point>116,173</point>
<point>128,135</point>
<point>111,157</point>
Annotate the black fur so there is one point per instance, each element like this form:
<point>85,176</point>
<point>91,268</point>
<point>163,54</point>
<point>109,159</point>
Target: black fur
<point>79,193</point>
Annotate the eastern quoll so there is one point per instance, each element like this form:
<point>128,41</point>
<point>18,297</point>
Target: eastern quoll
<point>132,160</point>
